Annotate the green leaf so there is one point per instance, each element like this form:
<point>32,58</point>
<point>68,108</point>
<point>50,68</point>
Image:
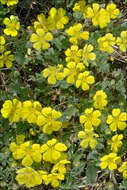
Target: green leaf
<point>91,174</point>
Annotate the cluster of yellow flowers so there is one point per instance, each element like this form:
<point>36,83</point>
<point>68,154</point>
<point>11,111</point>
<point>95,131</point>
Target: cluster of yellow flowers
<point>111,161</point>
<point>38,177</point>
<point>9,2</point>
<point>77,57</point>
<point>91,119</point>
<point>12,26</point>
<point>74,72</point>
<point>106,43</point>
<point>100,16</point>
<point>44,27</point>
<point>46,118</point>
<point>6,58</point>
<point>51,152</point>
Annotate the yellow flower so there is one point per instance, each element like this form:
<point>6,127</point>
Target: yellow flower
<point>28,153</point>
<point>103,18</point>
<point>90,118</point>
<point>122,41</point>
<point>44,176</point>
<point>14,147</point>
<point>93,13</point>
<point>111,160</point>
<point>81,6</point>
<point>99,16</point>
<point>112,10</point>
<point>100,100</point>
<point>58,17</point>
<point>88,139</point>
<point>40,39</point>
<point>60,166</point>
<point>6,58</point>
<point>48,120</point>
<point>123,169</point>
<point>72,71</point>
<point>73,54</point>
<point>117,119</point>
<point>87,54</point>
<point>76,33</point>
<point>116,142</point>
<point>105,43</point>
<point>30,111</point>
<point>12,25</point>
<point>52,151</point>
<point>2,42</point>
<point>57,173</point>
<point>29,177</point>
<point>12,110</point>
<point>43,23</point>
<point>84,80</point>
<point>53,73</point>
<point>9,2</point>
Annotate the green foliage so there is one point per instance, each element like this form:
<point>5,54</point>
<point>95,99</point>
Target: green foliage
<point>25,81</point>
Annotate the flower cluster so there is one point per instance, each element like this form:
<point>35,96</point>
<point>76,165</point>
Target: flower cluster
<point>123,169</point>
<point>31,177</point>
<point>100,16</point>
<point>46,118</point>
<point>9,2</point>
<point>51,155</point>
<point>27,152</point>
<point>6,58</point>
<point>51,152</point>
<point>72,71</point>
<point>122,41</point>
<point>81,6</point>
<point>57,173</point>
<point>45,26</point>
<point>106,42</point>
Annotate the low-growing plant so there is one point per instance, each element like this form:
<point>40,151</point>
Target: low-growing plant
<point>63,95</point>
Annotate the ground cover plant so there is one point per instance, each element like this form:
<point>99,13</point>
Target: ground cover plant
<point>63,95</point>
